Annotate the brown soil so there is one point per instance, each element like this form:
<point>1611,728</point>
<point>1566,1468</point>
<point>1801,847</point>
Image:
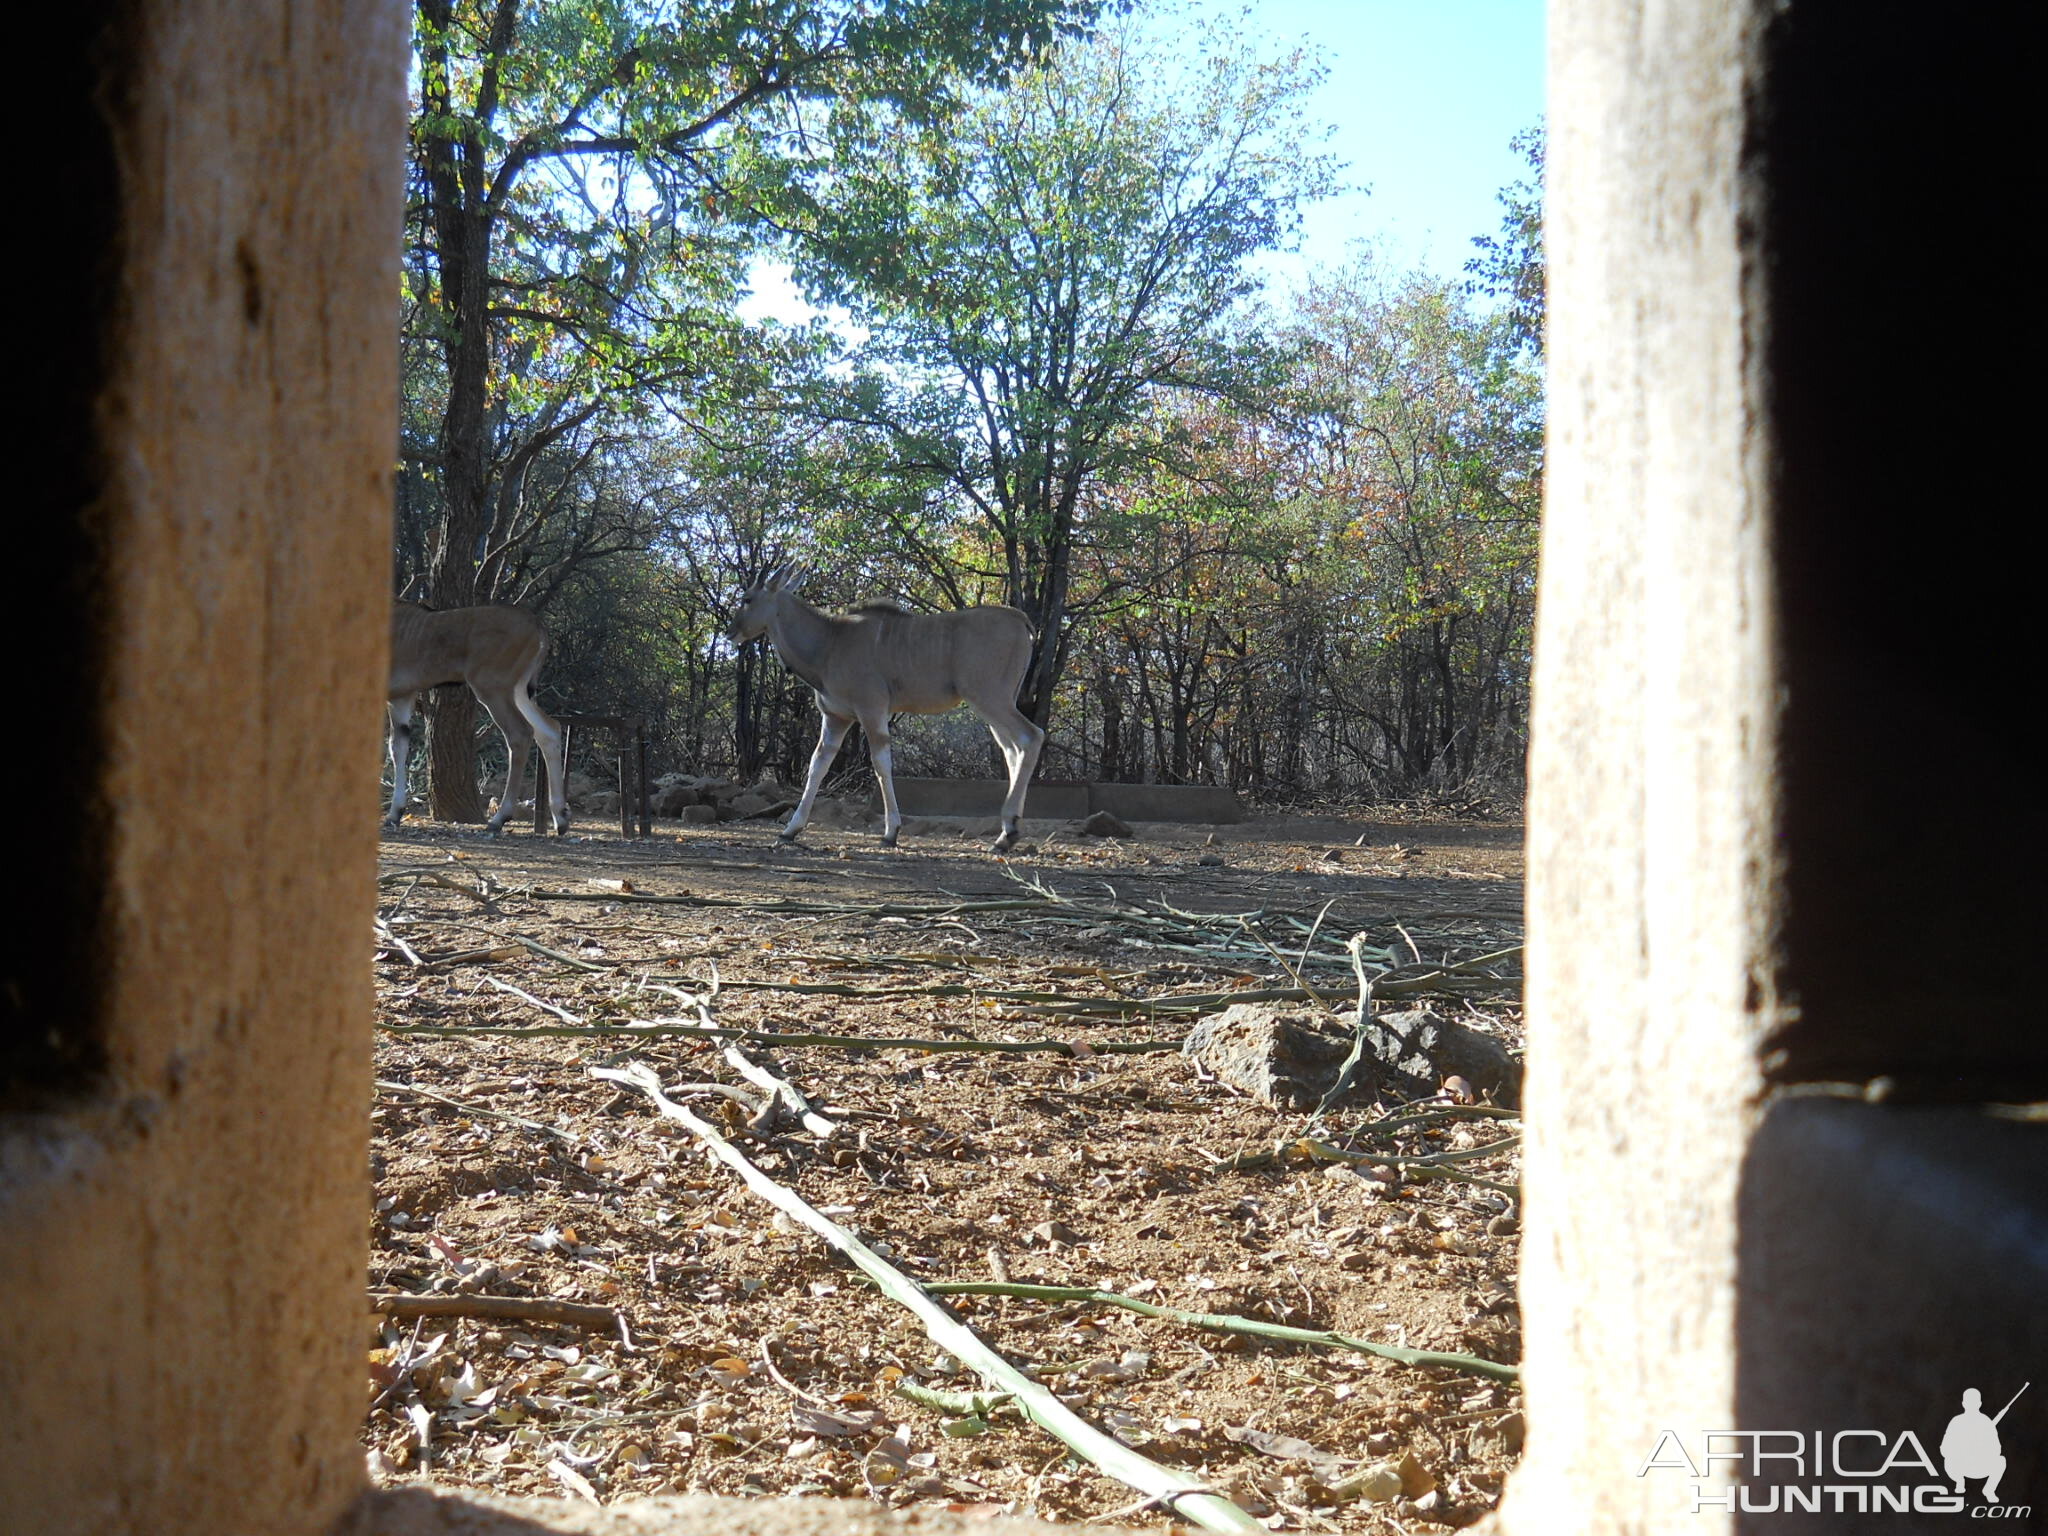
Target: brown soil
<point>755,1359</point>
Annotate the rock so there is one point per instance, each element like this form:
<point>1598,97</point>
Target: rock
<point>671,799</point>
<point>1103,824</point>
<point>1503,1437</point>
<point>599,802</point>
<point>698,815</point>
<point>754,803</point>
<point>1375,1485</point>
<point>1211,860</point>
<point>1416,1050</point>
<point>1281,1054</point>
<point>841,815</point>
<point>1417,1481</point>
<point>1289,1056</point>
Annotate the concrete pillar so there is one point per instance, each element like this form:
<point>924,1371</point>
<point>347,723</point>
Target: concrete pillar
<point>1764,1192</point>
<point>182,1101</point>
<point>1652,879</point>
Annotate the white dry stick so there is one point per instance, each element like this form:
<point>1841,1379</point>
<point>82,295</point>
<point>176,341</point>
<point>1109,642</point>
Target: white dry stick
<point>1163,1486</point>
<point>389,936</point>
<point>781,1088</point>
<point>561,1013</point>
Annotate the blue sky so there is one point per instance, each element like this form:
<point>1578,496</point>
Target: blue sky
<point>1423,96</point>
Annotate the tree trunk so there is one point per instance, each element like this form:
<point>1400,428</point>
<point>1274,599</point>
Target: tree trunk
<point>462,218</point>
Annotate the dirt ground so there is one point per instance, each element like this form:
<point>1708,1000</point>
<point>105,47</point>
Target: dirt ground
<point>749,1356</point>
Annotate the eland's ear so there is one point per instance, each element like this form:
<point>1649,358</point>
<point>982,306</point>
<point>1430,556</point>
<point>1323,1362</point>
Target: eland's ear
<point>798,575</point>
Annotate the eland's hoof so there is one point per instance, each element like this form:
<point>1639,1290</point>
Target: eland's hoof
<point>888,839</point>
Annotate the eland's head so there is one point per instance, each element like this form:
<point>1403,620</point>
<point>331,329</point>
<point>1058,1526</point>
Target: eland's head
<point>761,601</point>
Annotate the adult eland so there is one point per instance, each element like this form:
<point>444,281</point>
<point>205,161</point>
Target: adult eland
<point>881,660</point>
<point>497,650</point>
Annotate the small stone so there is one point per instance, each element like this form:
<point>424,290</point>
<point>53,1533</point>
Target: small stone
<point>1103,824</point>
<point>1416,1479</point>
<point>1503,1437</point>
<point>1502,1226</point>
<point>1375,1484</point>
<point>1211,860</point>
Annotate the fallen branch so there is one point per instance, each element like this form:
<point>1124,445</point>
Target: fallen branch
<point>524,996</point>
<point>468,1108</point>
<point>1209,1002</point>
<point>1224,1322</point>
<point>1441,1113</point>
<point>783,1092</point>
<point>962,1405</point>
<point>1434,1165</point>
<point>474,957</point>
<point>481,891</point>
<point>389,936</point>
<point>530,1309</point>
<point>661,1029</point>
<point>1186,1498</point>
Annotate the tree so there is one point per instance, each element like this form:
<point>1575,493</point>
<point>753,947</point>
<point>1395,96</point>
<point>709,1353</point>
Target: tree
<point>1421,429</point>
<point>1034,274</point>
<point>582,178</point>
<point>1510,266</point>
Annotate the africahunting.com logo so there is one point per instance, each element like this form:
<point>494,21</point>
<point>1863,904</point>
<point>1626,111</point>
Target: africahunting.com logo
<point>1846,1471</point>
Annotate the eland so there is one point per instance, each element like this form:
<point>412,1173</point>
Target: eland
<point>497,651</point>
<point>879,661</point>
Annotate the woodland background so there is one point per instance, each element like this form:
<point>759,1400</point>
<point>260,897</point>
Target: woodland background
<point>1280,540</point>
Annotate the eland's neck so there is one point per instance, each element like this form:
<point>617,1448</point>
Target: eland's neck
<point>802,637</point>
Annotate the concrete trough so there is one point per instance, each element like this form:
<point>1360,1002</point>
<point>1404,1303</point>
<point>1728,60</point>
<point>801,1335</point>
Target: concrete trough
<point>1066,800</point>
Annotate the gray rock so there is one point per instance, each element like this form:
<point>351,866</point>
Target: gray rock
<point>671,799</point>
<point>1281,1054</point>
<point>1289,1056</point>
<point>1103,824</point>
<point>1416,1050</point>
<point>754,803</point>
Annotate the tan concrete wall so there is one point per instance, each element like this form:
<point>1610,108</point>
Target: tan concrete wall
<point>182,1255</point>
<point>1651,889</point>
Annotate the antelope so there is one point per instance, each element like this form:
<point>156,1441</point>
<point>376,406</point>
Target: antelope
<point>497,651</point>
<point>878,661</point>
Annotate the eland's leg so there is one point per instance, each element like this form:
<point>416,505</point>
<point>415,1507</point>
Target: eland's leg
<point>1021,740</point>
<point>885,775</point>
<point>401,757</point>
<point>548,732</point>
<point>830,734</point>
<point>518,736</point>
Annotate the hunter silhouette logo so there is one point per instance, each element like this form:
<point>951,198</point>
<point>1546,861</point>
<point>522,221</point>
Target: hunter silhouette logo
<point>1970,1447</point>
<point>1859,1471</point>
